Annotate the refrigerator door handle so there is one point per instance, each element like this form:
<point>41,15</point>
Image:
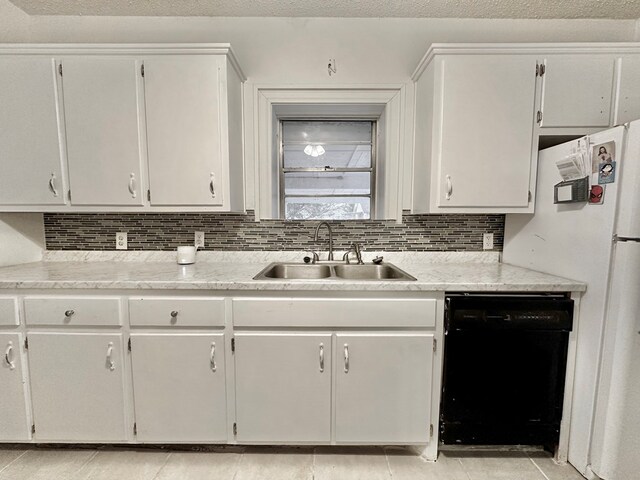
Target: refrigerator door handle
<point>618,238</point>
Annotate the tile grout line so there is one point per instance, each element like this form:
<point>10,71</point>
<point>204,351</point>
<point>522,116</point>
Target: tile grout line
<point>464,469</point>
<point>12,461</point>
<point>386,456</point>
<point>313,464</point>
<point>539,469</point>
<point>87,461</point>
<point>235,474</point>
<point>164,464</point>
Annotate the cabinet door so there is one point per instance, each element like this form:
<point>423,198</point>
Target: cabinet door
<point>182,96</point>
<point>179,387</point>
<point>577,91</point>
<point>383,388</point>
<point>101,103</point>
<point>77,386</point>
<point>283,387</point>
<point>14,422</point>
<point>485,133</point>
<point>629,97</point>
<point>29,135</point>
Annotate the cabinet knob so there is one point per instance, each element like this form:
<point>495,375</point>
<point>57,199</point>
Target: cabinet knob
<point>69,313</point>
<point>174,314</point>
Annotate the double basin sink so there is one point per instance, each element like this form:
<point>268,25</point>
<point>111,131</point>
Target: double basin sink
<point>332,271</point>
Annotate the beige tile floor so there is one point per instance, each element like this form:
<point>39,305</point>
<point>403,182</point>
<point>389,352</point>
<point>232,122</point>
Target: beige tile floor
<point>264,463</point>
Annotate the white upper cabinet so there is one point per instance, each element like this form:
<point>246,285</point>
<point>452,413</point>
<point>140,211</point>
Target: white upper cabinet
<point>474,134</point>
<point>183,107</point>
<point>578,90</point>
<point>30,150</point>
<point>629,96</point>
<point>102,99</point>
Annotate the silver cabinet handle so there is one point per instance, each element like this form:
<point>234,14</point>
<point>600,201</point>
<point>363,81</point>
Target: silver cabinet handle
<point>110,363</point>
<point>174,316</point>
<point>346,358</point>
<point>52,185</point>
<point>132,185</point>
<point>212,356</point>
<point>69,313</point>
<point>8,355</point>
<point>321,357</point>
<point>449,187</point>
<point>212,187</point>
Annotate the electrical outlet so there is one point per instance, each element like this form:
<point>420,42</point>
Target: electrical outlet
<point>199,239</point>
<point>121,241</point>
<point>487,241</point>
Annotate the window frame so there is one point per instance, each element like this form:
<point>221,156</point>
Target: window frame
<point>372,169</point>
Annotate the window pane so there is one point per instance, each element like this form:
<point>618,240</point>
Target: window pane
<point>327,208</point>
<point>334,156</point>
<point>326,131</point>
<point>321,183</point>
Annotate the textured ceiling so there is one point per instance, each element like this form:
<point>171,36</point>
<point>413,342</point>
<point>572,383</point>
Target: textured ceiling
<point>618,9</point>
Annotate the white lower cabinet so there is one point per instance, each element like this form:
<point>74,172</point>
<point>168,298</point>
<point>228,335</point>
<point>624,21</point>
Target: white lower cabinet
<point>383,387</point>
<point>14,420</point>
<point>179,387</point>
<point>77,386</point>
<point>283,387</point>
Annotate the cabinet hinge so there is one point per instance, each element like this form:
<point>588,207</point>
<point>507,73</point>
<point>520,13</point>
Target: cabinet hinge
<point>540,68</point>
<point>33,428</point>
<point>543,69</point>
<point>233,344</point>
<point>129,344</point>
<point>26,344</point>
<point>435,345</point>
<point>148,195</point>
<point>60,69</point>
<point>431,431</point>
<point>69,194</point>
<point>235,429</point>
<point>135,429</point>
<point>537,69</point>
<point>142,69</point>
<point>529,197</point>
<point>539,116</point>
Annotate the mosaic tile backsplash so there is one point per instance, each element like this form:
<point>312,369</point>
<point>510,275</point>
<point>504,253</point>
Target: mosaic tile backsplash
<point>165,231</point>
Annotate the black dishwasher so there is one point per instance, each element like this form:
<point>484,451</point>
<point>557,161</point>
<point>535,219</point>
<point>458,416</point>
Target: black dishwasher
<point>505,359</point>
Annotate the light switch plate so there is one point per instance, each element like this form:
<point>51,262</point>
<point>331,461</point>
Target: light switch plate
<point>198,240</point>
<point>121,241</point>
<point>487,241</point>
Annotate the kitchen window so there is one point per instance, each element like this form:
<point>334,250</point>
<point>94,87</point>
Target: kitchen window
<point>327,169</point>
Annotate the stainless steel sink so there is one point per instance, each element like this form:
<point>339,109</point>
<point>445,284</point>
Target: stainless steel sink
<point>371,272</point>
<point>298,271</point>
<point>332,271</point>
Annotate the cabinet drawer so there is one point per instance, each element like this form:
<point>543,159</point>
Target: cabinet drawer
<point>178,312</point>
<point>85,311</point>
<point>343,312</point>
<point>8,312</point>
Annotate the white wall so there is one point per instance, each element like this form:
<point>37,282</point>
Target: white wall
<point>21,238</point>
<point>14,23</point>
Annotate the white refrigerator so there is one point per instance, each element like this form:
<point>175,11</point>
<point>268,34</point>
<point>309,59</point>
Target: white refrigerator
<point>598,244</point>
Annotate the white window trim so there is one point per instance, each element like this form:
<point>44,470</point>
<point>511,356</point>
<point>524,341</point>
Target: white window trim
<point>391,97</point>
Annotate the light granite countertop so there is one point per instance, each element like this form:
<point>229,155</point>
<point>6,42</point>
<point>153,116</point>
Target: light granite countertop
<point>434,272</point>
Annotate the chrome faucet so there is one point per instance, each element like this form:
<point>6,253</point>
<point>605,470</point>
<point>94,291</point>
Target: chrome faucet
<point>315,238</point>
<point>355,248</point>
